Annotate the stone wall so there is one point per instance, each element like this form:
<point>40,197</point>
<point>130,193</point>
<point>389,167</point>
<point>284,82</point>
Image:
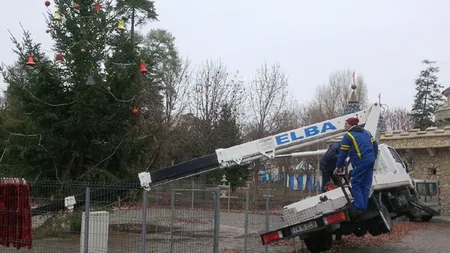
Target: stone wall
<point>427,154</point>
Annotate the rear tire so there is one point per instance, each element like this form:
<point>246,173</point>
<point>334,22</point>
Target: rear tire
<point>319,243</point>
<point>426,218</point>
<point>360,232</point>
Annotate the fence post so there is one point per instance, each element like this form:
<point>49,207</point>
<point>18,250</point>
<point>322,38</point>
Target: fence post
<point>247,198</point>
<point>172,220</point>
<point>144,221</point>
<point>216,221</point>
<point>86,219</point>
<point>266,247</point>
<point>193,194</point>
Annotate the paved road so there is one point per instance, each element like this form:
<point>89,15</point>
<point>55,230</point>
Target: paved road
<point>193,233</point>
<point>432,238</point>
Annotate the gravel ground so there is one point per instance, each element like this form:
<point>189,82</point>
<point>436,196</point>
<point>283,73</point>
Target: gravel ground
<point>194,234</point>
<point>418,237</point>
<point>424,240</point>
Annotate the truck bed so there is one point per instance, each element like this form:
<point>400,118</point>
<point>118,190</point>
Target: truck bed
<point>313,207</point>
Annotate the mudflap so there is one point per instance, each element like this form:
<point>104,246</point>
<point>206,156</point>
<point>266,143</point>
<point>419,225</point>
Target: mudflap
<point>385,216</point>
<point>425,208</point>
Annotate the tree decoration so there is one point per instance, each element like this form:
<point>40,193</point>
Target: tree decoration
<point>47,3</point>
<point>143,68</point>
<point>102,68</point>
<point>121,25</point>
<point>97,6</point>
<point>90,80</point>
<point>30,61</point>
<point>59,57</point>
<point>135,110</point>
<point>76,6</point>
<point>57,16</point>
<point>83,50</point>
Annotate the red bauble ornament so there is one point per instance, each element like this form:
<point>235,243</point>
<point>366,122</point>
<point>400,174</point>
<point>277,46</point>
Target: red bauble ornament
<point>97,6</point>
<point>47,3</point>
<point>59,57</point>
<point>135,110</point>
<point>143,68</point>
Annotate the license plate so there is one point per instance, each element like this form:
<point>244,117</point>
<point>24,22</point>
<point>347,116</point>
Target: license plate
<point>303,227</point>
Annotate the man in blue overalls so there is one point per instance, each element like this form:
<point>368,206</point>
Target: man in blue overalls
<point>361,147</point>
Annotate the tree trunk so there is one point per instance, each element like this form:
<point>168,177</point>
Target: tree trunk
<point>132,24</point>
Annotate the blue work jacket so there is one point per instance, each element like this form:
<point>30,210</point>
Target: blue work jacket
<point>359,145</point>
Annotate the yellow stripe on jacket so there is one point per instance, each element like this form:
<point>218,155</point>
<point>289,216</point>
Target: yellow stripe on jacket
<point>355,144</point>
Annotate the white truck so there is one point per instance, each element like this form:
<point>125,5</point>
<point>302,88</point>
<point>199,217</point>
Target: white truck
<point>317,218</point>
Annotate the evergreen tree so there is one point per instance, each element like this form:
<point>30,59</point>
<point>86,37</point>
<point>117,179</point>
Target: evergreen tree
<point>428,96</point>
<point>227,134</point>
<point>83,109</point>
<point>139,12</point>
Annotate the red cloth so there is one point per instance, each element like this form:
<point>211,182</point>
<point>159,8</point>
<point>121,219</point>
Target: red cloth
<point>15,215</point>
<point>352,121</point>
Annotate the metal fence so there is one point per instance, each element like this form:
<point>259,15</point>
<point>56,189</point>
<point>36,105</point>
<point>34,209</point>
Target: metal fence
<point>174,218</point>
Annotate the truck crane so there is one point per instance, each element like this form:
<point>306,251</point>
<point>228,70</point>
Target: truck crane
<point>316,219</point>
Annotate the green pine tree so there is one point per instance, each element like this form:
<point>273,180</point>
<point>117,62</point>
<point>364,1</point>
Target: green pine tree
<point>428,96</point>
<point>79,115</point>
<point>227,134</point>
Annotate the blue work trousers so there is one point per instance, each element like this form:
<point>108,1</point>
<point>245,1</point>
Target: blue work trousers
<point>362,177</point>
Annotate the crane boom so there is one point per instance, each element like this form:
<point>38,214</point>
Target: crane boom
<point>264,148</point>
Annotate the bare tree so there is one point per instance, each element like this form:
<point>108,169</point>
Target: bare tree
<point>214,87</point>
<point>268,100</point>
<point>331,99</point>
<point>398,118</point>
<point>268,97</point>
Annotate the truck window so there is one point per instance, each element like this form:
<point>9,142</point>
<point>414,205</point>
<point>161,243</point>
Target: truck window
<point>397,158</point>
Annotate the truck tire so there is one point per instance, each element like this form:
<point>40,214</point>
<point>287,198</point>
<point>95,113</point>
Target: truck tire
<point>319,243</point>
<point>360,232</point>
<point>383,224</point>
<point>414,214</point>
<point>338,236</point>
<point>426,218</point>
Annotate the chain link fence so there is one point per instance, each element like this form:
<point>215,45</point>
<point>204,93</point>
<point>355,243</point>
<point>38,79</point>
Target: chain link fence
<point>177,218</point>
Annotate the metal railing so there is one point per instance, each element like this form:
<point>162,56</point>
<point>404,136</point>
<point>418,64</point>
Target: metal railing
<point>173,218</point>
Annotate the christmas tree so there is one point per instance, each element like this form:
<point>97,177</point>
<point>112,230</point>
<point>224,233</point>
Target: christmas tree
<point>428,96</point>
<point>78,115</point>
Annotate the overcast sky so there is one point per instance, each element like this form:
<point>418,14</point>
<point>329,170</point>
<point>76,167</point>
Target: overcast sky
<point>382,40</point>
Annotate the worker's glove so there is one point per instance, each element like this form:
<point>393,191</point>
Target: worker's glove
<point>338,171</point>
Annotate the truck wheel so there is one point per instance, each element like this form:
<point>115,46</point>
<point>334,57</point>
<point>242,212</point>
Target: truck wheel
<point>360,232</point>
<point>319,243</point>
<point>414,214</point>
<point>426,218</point>
<point>375,231</point>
